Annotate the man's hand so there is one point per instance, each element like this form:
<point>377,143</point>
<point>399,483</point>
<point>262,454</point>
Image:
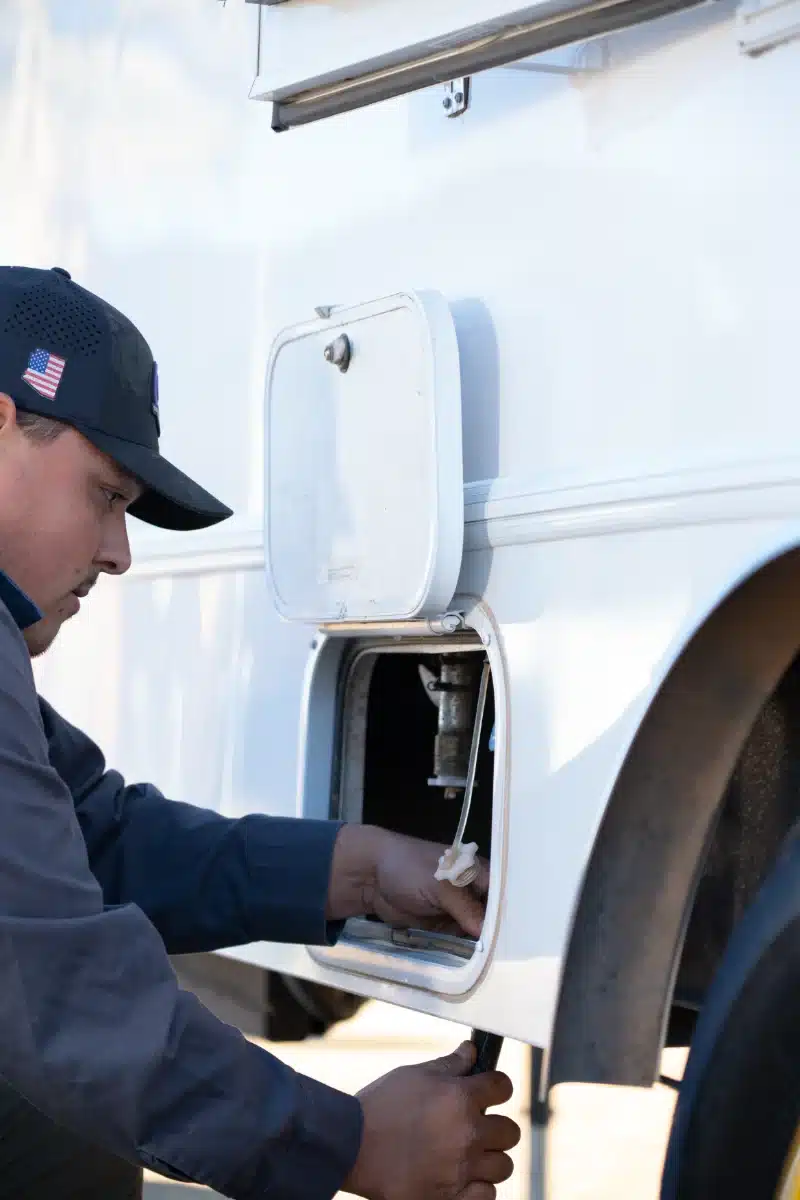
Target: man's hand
<point>427,1136</point>
<point>390,876</point>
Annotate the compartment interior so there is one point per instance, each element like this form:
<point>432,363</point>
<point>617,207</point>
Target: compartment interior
<point>397,744</point>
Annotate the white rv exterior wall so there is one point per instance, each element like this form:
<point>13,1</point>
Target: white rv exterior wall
<point>620,252</point>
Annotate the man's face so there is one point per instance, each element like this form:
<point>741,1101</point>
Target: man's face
<point>62,519</point>
<point>40,637</point>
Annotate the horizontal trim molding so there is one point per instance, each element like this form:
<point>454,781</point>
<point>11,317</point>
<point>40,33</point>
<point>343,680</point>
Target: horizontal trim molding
<point>204,552</point>
<point>505,512</point>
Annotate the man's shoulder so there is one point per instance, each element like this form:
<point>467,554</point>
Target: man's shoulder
<point>15,662</point>
<point>72,753</point>
<point>59,731</point>
<point>20,718</point>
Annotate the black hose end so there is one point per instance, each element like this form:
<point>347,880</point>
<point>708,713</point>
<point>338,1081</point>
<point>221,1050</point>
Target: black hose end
<point>487,1047</point>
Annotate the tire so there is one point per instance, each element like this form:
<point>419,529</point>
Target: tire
<point>738,1110</point>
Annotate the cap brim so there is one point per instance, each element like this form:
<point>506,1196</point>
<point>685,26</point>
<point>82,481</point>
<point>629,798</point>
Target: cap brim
<point>171,500</point>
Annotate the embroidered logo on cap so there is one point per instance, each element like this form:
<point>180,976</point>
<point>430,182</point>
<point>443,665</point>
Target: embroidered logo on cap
<point>154,398</point>
<point>44,373</point>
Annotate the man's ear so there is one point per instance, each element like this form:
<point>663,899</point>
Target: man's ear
<point>8,413</point>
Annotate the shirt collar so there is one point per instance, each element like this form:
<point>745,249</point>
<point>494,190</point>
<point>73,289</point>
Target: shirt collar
<point>21,607</point>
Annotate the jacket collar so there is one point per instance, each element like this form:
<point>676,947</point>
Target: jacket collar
<point>21,607</point>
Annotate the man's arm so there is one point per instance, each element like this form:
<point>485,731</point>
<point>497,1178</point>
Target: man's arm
<point>205,881</point>
<point>93,1028</point>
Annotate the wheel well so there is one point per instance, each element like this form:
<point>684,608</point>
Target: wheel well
<point>699,808</point>
<point>761,804</point>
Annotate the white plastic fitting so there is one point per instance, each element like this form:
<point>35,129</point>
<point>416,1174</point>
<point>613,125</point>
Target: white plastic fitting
<point>457,865</point>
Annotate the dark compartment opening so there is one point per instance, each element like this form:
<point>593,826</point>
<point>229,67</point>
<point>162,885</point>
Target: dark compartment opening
<point>401,727</point>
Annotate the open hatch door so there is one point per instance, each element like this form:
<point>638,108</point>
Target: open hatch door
<point>364,486</point>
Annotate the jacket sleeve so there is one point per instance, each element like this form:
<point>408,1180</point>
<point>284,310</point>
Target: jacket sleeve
<point>205,881</point>
<point>93,1028</point>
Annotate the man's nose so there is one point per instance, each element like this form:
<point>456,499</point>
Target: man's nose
<point>114,557</point>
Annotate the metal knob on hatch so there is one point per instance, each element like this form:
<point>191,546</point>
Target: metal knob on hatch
<point>339,352</point>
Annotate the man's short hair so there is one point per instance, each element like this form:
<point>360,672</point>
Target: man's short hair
<point>38,428</point>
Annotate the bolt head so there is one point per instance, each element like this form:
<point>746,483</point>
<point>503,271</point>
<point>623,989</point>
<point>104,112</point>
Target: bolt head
<point>459,97</point>
<point>339,352</point>
<point>447,102</point>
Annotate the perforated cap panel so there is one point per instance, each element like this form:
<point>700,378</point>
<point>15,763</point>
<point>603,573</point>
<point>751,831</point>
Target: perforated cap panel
<point>65,321</point>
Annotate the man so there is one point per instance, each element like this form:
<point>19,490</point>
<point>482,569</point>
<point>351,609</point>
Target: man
<point>99,881</point>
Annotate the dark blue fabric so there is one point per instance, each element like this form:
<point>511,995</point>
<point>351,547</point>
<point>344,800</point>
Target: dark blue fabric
<point>95,878</point>
<point>22,609</point>
<point>40,1160</point>
<point>205,881</point>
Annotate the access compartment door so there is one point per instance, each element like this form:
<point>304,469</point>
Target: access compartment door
<point>364,480</point>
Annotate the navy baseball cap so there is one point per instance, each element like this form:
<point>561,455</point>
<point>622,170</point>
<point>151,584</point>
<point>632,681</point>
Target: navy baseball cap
<point>68,355</point>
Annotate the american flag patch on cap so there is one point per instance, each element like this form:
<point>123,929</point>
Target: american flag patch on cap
<point>44,372</point>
